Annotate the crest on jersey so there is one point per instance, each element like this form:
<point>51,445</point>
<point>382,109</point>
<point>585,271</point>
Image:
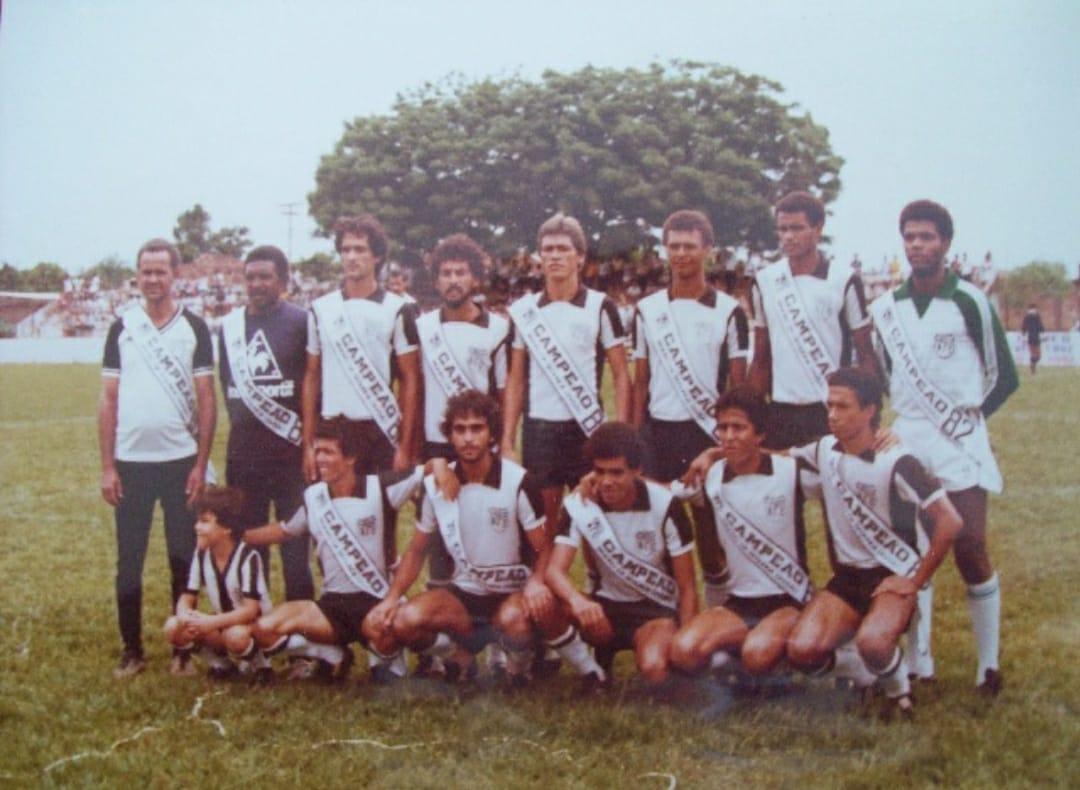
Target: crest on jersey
<point>367,526</point>
<point>945,345</point>
<point>645,541</point>
<point>581,333</point>
<point>775,506</point>
<point>662,320</point>
<point>499,518</point>
<point>477,360</point>
<point>262,365</point>
<point>593,525</point>
<point>865,492</point>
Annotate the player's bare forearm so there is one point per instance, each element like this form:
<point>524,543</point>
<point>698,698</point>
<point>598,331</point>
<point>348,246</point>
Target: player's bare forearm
<point>515,398</point>
<point>206,406</point>
<point>640,392</point>
<point>866,359</point>
<point>266,535</point>
<point>944,525</point>
<point>557,575</point>
<point>620,379</point>
<point>409,567</point>
<point>186,603</point>
<point>541,543</point>
<point>111,488</point>
<point>247,612</point>
<point>761,365</point>
<point>409,400</point>
<point>683,566</point>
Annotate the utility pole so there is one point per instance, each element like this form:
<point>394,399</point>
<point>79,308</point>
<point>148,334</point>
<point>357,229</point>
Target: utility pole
<point>289,210</point>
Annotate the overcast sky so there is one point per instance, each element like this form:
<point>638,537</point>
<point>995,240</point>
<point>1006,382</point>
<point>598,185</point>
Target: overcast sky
<point>116,115</point>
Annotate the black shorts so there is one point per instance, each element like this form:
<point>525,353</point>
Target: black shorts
<point>671,446</point>
<point>346,612</point>
<point>856,586</point>
<point>552,452</point>
<point>438,450</point>
<point>481,609</point>
<point>792,425</point>
<point>753,610</point>
<point>626,617</point>
<point>379,456</point>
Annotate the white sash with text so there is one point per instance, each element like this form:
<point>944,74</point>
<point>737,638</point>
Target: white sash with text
<point>277,418</point>
<point>888,548</point>
<point>549,355</point>
<point>698,398</point>
<point>448,371</point>
<point>783,570</point>
<point>499,579</point>
<point>778,288</point>
<point>642,576</point>
<point>348,345</point>
<point>327,526</point>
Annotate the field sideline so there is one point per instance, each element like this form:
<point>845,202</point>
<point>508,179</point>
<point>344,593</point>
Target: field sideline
<point>64,720</point>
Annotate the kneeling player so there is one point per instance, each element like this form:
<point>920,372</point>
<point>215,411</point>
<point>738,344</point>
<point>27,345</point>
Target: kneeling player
<point>494,534</point>
<point>349,518</point>
<point>755,502</point>
<point>230,572</point>
<point>637,543</point>
<point>871,504</point>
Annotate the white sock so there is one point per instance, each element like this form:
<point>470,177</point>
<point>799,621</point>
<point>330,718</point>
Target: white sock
<point>850,665</point>
<point>984,603</point>
<point>213,658</point>
<point>576,652</point>
<point>299,645</point>
<point>395,663</point>
<point>721,659</point>
<point>496,655</point>
<point>920,659</point>
<point>894,678</point>
<point>442,647</point>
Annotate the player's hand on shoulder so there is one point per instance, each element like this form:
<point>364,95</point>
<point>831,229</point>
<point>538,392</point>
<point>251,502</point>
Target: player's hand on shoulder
<point>586,487</point>
<point>885,439</point>
<point>446,482</point>
<point>699,467</point>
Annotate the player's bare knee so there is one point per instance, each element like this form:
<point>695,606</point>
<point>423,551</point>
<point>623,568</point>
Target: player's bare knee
<point>511,619</point>
<point>805,651</point>
<point>237,638</point>
<point>653,666</point>
<point>759,654</point>
<point>876,646</point>
<point>172,630</point>
<point>408,621</point>
<point>686,652</point>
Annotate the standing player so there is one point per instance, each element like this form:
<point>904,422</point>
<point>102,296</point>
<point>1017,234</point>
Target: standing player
<point>756,503</point>
<point>494,533</point>
<point>357,338</point>
<point>562,335</point>
<point>231,574</point>
<point>871,503</point>
<point>809,313</point>
<point>155,426</point>
<point>638,546</point>
<point>1032,327</point>
<point>463,346</point>
<point>262,363</point>
<point>950,368</point>
<point>349,517</point>
<point>697,338</point>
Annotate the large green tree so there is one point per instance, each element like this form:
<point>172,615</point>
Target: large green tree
<point>619,149</point>
<point>1034,281</point>
<point>112,271</point>
<point>194,237</point>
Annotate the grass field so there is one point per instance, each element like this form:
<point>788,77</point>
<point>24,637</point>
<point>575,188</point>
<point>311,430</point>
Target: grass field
<point>64,720</point>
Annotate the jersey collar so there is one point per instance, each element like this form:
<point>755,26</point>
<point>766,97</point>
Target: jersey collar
<point>708,298</point>
<point>482,319</point>
<point>578,299</point>
<point>493,479</point>
<point>947,290</point>
<point>378,295</point>
<point>766,468</point>
<point>641,499</point>
<point>867,455</point>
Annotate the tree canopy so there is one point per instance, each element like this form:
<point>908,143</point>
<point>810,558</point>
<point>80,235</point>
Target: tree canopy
<point>1034,281</point>
<point>194,237</point>
<point>112,272</point>
<point>618,149</point>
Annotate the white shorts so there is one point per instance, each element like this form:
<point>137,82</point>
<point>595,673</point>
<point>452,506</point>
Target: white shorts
<point>957,467</point>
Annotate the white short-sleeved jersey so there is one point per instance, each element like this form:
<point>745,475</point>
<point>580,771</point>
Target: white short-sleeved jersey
<point>387,326</point>
<point>771,500</point>
<point>587,326</point>
<point>655,529</point>
<point>713,330</point>
<point>367,512</point>
<point>149,427</point>
<point>836,306</point>
<point>892,484</point>
<point>495,515</point>
<point>242,579</point>
<point>480,348</point>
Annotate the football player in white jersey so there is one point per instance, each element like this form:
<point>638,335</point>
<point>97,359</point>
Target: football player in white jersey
<point>809,318</point>
<point>638,546</point>
<point>949,368</point>
<point>494,534</point>
<point>871,503</point>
